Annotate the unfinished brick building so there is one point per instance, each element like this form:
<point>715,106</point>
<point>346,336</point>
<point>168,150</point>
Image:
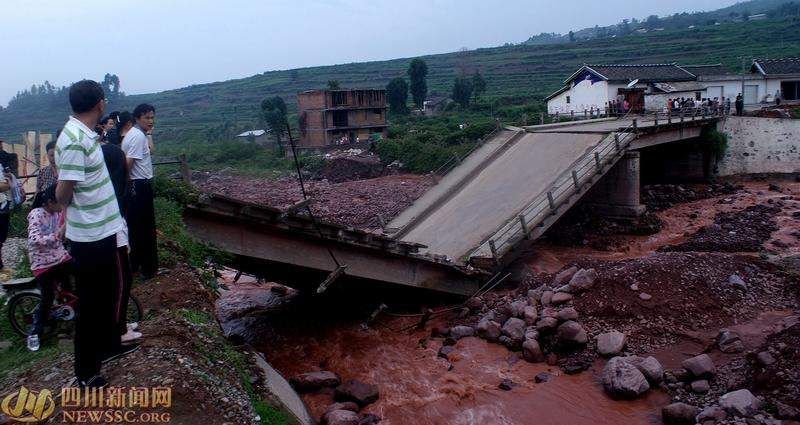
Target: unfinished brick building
<point>340,117</point>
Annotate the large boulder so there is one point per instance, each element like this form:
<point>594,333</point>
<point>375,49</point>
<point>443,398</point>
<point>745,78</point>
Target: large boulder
<point>729,342</point>
<point>341,417</point>
<point>649,366</point>
<point>679,414</point>
<point>582,280</point>
<point>515,329</point>
<point>561,298</point>
<point>241,310</point>
<point>623,380</point>
<point>547,296</point>
<point>699,366</point>
<point>518,308</point>
<point>572,333</point>
<point>458,332</point>
<point>711,413</point>
<point>489,330</point>
<point>357,391</point>
<point>564,276</point>
<point>546,324</point>
<point>531,351</point>
<point>312,381</point>
<point>568,313</point>
<point>610,344</point>
<point>529,314</point>
<point>740,403</point>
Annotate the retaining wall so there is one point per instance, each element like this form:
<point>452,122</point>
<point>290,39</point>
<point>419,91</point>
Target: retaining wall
<point>760,145</point>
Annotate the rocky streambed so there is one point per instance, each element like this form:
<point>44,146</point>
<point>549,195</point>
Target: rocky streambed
<point>669,327</point>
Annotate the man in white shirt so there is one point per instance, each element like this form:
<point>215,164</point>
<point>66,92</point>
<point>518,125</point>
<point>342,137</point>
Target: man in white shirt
<point>92,222</point>
<point>140,213</point>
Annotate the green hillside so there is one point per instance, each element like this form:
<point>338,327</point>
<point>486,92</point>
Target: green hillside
<point>515,74</point>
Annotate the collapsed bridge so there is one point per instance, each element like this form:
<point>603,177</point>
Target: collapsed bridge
<point>478,218</point>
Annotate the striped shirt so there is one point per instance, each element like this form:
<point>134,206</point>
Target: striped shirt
<point>93,213</point>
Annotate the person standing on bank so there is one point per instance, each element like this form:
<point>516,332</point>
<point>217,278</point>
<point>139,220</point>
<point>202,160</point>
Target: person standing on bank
<point>140,213</point>
<point>92,223</point>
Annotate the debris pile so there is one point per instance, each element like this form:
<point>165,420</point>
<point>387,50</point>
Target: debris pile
<point>348,397</point>
<point>361,204</point>
<point>659,197</point>
<point>736,231</point>
<point>350,164</point>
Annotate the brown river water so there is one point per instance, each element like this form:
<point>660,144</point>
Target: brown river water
<point>417,387</point>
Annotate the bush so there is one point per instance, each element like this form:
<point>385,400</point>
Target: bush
<point>714,142</point>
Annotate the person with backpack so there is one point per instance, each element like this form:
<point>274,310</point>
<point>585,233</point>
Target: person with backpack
<point>50,262</point>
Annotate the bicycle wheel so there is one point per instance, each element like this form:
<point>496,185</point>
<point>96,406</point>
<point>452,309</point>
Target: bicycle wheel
<point>134,313</point>
<point>21,308</point>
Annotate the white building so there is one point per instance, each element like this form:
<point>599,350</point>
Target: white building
<point>648,86</point>
<point>592,87</point>
<point>781,78</point>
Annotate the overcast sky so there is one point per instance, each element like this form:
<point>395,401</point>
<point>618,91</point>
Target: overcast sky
<point>155,45</point>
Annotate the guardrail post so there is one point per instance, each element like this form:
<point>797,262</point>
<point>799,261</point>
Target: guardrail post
<point>635,126</point>
<point>585,114</point>
<point>556,116</point>
<point>525,230</point>
<point>669,118</point>
<point>597,161</point>
<point>541,118</point>
<point>575,180</point>
<point>185,174</point>
<point>572,114</point>
<point>616,141</point>
<point>681,116</point>
<point>551,201</point>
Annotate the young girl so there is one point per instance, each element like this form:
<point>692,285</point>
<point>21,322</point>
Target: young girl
<point>50,262</point>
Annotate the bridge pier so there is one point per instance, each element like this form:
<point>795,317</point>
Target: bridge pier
<point>617,194</point>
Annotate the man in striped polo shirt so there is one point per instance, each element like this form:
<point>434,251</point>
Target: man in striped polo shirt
<point>92,222</point>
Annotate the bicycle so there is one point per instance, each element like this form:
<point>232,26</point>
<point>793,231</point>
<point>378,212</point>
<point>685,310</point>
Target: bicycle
<point>25,297</point>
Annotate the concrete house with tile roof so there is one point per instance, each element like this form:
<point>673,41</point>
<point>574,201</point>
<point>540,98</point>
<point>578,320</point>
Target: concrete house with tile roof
<point>649,86</point>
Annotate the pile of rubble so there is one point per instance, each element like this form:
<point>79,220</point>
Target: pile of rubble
<point>350,164</point>
<point>659,197</point>
<point>349,397</point>
<point>362,204</point>
<point>736,231</point>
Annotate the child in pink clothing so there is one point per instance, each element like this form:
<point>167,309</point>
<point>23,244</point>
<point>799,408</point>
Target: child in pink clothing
<point>50,262</point>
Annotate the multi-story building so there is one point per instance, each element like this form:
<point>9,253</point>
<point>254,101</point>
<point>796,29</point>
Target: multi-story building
<point>341,117</point>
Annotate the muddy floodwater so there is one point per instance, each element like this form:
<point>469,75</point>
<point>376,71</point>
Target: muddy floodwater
<point>416,386</point>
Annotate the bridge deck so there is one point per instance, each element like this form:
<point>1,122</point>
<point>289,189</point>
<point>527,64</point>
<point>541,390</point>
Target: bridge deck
<point>498,191</point>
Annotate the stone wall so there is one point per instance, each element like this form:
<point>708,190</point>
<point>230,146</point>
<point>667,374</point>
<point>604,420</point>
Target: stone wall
<point>760,145</point>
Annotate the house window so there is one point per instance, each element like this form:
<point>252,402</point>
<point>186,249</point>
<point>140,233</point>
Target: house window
<point>567,99</point>
<point>339,98</point>
<point>340,118</point>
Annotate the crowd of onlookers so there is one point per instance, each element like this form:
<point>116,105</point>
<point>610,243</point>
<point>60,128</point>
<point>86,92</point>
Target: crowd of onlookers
<point>92,221</point>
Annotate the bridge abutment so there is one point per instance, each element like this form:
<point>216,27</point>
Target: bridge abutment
<point>617,194</point>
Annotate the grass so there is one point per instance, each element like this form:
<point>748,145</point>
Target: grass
<point>174,242</point>
<point>230,356</point>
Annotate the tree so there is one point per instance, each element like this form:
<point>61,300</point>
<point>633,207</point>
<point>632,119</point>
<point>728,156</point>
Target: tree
<point>478,85</point>
<point>462,90</point>
<point>417,74</point>
<point>273,112</point>
<point>397,96</point>
<point>572,36</point>
<point>652,21</point>
<point>333,85</point>
<point>110,85</point>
